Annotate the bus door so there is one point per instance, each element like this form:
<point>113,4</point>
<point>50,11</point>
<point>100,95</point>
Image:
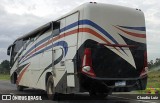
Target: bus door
<point>58,66</point>
<point>71,35</point>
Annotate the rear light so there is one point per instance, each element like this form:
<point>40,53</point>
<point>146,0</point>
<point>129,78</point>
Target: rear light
<point>145,66</point>
<point>87,63</point>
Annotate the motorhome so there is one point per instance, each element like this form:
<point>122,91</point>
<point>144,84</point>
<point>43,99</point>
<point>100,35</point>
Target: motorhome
<point>96,48</point>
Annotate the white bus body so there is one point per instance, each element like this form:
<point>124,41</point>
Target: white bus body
<point>96,48</point>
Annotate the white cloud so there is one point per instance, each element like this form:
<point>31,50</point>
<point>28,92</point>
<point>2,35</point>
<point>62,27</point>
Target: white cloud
<point>33,7</point>
<point>3,56</point>
<point>5,38</point>
<point>18,17</point>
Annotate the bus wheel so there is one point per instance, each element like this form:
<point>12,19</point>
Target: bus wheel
<point>50,88</point>
<point>20,88</point>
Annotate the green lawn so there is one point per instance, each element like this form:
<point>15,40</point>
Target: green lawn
<point>154,79</point>
<point>4,77</point>
<point>153,84</point>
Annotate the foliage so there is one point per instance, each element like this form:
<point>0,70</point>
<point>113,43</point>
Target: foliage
<point>5,64</point>
<point>153,83</point>
<point>4,67</point>
<point>153,64</point>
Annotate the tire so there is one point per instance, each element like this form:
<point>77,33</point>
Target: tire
<point>50,88</point>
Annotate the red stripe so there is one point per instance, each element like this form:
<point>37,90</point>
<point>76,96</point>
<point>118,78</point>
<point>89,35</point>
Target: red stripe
<point>64,35</point>
<point>94,33</point>
<point>38,48</point>
<point>22,73</point>
<point>132,34</point>
<point>88,30</point>
<point>52,40</point>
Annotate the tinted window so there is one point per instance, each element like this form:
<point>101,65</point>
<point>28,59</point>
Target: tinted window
<point>15,49</point>
<point>25,44</point>
<point>18,45</point>
<point>12,56</point>
<point>56,28</point>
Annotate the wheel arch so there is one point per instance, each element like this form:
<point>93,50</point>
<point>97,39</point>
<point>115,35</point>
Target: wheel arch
<point>14,77</point>
<point>46,78</point>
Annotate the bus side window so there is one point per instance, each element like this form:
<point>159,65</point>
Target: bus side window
<point>56,28</point>
<point>25,44</point>
<point>18,45</point>
<point>12,56</point>
<point>31,39</point>
<point>15,49</point>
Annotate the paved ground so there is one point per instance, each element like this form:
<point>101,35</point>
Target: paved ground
<point>7,88</point>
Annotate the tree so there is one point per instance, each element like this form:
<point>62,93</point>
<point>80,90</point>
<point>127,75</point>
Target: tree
<point>153,64</point>
<point>5,64</point>
<point>157,62</point>
<point>150,64</point>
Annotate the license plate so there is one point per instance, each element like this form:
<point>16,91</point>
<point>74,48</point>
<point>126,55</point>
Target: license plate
<point>120,83</point>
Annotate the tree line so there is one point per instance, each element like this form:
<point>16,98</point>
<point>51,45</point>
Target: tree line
<point>152,64</point>
<point>4,67</point>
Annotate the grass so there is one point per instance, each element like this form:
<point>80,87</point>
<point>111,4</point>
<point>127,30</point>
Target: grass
<point>4,77</point>
<point>154,79</point>
<point>153,83</point>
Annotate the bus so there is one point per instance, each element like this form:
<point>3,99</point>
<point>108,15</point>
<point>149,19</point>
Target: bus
<point>96,48</point>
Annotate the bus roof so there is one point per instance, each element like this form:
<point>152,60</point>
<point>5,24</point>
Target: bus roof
<point>81,7</point>
<point>34,32</point>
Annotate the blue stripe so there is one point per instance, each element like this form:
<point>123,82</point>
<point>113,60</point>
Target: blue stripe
<point>88,22</point>
<point>37,44</point>
<point>80,22</point>
<point>70,26</point>
<point>134,28</point>
<point>60,43</point>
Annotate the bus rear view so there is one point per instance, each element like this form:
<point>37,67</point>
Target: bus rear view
<point>96,48</point>
<point>114,57</point>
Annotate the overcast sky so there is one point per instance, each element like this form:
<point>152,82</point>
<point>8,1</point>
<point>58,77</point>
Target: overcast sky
<point>18,17</point>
